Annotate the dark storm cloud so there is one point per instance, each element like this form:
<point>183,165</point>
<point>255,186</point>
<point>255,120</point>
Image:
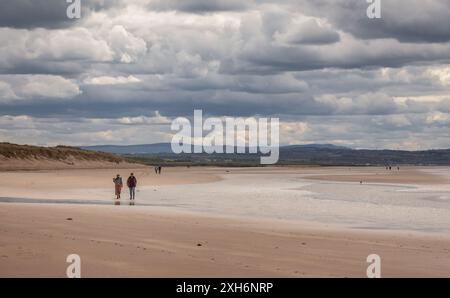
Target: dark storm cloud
<point>33,13</point>
<point>270,58</point>
<point>405,20</point>
<point>44,13</point>
<point>66,68</point>
<point>110,102</point>
<point>200,6</point>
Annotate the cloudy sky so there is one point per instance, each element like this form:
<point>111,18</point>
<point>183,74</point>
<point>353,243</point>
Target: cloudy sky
<point>123,71</point>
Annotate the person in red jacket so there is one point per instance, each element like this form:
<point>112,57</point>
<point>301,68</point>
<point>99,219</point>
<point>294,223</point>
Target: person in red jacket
<point>132,183</point>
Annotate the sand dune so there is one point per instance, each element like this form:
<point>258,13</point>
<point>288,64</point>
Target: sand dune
<point>24,157</point>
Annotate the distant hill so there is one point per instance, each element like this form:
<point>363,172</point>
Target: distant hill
<point>15,157</point>
<point>312,154</point>
<point>166,148</point>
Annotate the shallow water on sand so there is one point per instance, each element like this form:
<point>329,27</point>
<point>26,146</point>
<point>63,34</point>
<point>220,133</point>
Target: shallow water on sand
<point>288,196</point>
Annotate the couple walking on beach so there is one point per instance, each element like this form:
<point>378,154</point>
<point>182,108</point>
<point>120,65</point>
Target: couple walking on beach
<point>158,170</point>
<point>131,183</point>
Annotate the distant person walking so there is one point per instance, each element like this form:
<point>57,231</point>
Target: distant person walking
<point>132,183</point>
<point>156,170</point>
<point>159,170</point>
<point>118,184</point>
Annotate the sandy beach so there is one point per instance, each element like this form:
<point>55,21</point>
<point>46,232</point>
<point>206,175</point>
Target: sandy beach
<point>218,222</point>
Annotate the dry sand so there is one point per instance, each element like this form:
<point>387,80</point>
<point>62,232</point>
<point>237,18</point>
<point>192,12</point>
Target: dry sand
<point>138,241</point>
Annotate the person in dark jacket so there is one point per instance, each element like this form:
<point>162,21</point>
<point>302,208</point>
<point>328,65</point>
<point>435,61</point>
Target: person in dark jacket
<point>132,183</point>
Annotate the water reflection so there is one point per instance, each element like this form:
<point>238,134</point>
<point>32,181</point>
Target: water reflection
<point>118,203</point>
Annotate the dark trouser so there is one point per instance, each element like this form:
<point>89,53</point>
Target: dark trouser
<point>132,192</point>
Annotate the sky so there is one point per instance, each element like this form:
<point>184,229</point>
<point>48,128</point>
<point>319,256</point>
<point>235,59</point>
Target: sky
<point>123,71</point>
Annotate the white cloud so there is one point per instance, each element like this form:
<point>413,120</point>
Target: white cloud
<point>26,87</point>
<point>438,118</point>
<point>107,80</point>
<point>307,32</point>
<point>292,133</point>
<point>157,118</point>
<point>127,47</point>
<point>48,86</point>
<point>68,44</point>
<point>441,74</point>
